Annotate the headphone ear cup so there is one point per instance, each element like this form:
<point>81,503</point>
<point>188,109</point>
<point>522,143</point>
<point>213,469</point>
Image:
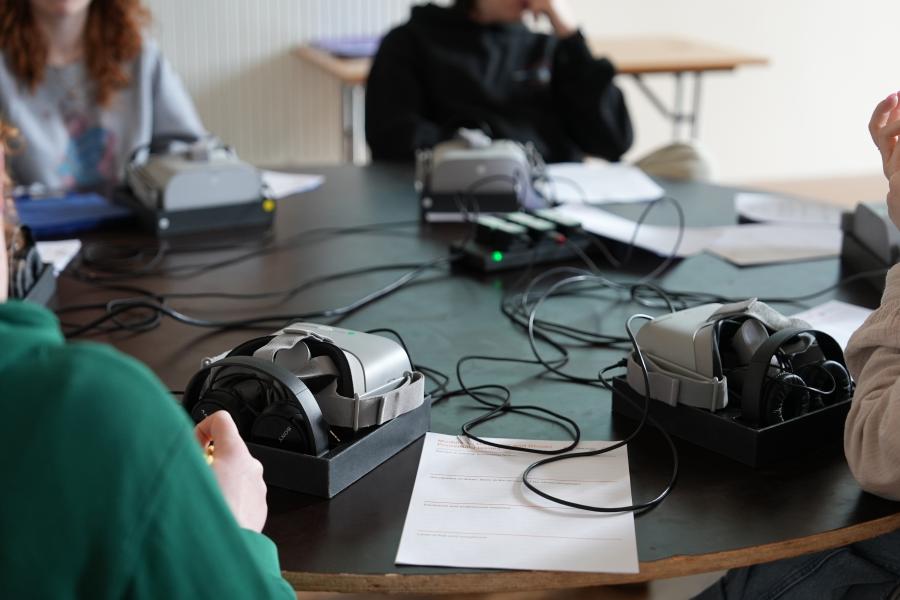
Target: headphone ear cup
<point>216,400</point>
<point>283,425</point>
<point>268,403</point>
<point>784,398</point>
<point>829,375</point>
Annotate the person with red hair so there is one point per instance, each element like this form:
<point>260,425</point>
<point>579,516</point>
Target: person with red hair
<point>85,87</point>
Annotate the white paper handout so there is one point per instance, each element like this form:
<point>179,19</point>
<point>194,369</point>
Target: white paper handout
<point>58,252</point>
<point>659,239</point>
<point>597,183</point>
<point>282,185</point>
<point>837,319</point>
<point>760,244</point>
<point>469,508</point>
<point>769,208</point>
<point>743,245</point>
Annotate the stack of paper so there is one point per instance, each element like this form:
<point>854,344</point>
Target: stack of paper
<point>768,208</point>
<point>837,319</point>
<point>742,245</point>
<point>282,185</point>
<point>60,253</point>
<point>598,183</point>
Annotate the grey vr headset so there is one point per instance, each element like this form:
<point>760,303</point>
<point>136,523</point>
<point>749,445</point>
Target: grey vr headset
<point>296,388</point>
<point>743,355</point>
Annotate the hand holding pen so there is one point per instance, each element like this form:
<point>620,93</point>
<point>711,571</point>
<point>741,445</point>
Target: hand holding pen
<point>240,476</point>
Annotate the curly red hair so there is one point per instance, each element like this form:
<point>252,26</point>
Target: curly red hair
<point>112,38</point>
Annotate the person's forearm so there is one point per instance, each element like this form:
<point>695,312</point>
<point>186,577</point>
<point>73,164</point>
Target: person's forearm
<point>558,14</point>
<point>871,443</point>
<point>561,27</point>
<point>593,109</point>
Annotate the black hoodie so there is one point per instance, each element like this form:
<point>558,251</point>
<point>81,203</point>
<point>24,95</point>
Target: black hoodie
<point>442,70</point>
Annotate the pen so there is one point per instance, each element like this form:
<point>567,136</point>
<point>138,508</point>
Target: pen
<point>210,451</point>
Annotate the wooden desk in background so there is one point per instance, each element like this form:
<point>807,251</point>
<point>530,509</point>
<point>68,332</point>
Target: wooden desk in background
<point>636,56</point>
<point>844,191</point>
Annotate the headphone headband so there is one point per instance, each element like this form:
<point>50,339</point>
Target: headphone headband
<point>314,425</point>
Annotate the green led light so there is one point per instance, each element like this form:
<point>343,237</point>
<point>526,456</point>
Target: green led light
<point>497,256</point>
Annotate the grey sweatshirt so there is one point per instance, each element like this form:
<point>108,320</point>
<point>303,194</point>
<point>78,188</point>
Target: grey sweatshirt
<point>70,142</point>
<point>872,431</point>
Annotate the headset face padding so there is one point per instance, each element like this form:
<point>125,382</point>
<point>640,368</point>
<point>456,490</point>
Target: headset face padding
<point>270,404</point>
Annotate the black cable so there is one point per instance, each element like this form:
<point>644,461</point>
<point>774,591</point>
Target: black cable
<point>124,305</point>
<point>157,302</point>
<point>645,417</point>
<point>545,328</point>
<point>441,380</point>
<point>115,270</point>
<point>689,298</point>
<point>505,406</point>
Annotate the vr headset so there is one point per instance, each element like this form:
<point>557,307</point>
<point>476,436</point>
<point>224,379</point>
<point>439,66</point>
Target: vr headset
<point>743,356</point>
<point>472,173</point>
<point>181,184</point>
<point>307,387</point>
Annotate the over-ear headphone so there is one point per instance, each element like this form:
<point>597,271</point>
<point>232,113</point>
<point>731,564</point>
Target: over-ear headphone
<point>831,378</point>
<point>269,404</point>
<point>300,387</point>
<point>771,395</point>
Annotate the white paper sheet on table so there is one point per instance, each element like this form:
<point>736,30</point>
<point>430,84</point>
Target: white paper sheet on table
<point>769,208</point>
<point>469,508</point>
<point>597,183</point>
<point>758,244</point>
<point>655,238</point>
<point>837,319</point>
<point>59,252</point>
<point>282,185</point>
<point>743,245</point>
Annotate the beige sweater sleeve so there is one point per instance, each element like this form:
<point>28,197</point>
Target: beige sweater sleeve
<point>872,432</point>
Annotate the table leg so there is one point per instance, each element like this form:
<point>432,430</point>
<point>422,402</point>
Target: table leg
<point>358,125</point>
<point>695,111</point>
<point>347,133</point>
<point>677,115</point>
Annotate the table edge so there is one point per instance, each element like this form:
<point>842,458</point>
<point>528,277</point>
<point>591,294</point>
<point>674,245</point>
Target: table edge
<point>522,581</point>
<point>354,71</point>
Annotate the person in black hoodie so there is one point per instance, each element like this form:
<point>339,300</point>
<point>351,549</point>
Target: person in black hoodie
<point>477,65</point>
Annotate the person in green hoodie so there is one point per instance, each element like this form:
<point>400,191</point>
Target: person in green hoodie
<point>105,490</point>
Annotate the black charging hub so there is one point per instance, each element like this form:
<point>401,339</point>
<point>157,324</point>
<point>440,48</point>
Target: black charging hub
<point>521,239</point>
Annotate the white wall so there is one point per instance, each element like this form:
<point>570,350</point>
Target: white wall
<point>235,58</point>
<point>803,115</point>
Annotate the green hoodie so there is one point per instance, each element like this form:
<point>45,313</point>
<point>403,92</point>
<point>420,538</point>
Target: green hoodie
<point>105,493</point>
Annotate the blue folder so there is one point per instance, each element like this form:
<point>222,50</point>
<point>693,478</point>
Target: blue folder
<point>70,214</point>
<point>349,47</point>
